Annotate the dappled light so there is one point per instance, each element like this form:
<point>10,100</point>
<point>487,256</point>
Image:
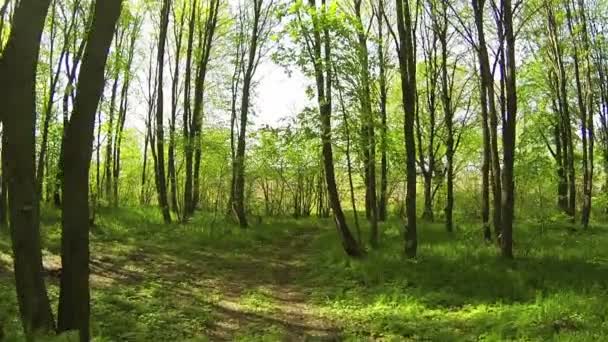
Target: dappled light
<point>303,170</point>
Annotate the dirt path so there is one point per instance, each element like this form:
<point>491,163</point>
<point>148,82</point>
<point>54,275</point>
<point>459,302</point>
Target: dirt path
<point>276,278</point>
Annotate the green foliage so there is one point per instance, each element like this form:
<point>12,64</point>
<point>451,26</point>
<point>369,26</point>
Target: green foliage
<point>288,279</point>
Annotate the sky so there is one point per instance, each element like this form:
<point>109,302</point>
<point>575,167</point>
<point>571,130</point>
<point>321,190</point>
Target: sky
<point>278,94</point>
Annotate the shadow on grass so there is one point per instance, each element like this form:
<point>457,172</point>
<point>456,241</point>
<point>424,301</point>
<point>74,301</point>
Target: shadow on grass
<point>171,282</point>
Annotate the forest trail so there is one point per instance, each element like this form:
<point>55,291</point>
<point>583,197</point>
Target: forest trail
<point>283,303</point>
<point>248,289</point>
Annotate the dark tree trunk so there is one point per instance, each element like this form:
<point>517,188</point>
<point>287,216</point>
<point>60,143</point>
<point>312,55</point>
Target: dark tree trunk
<point>323,77</point>
<point>251,64</point>
<point>161,178</point>
<point>186,118</point>
<point>509,130</point>
<point>448,112</point>
<point>369,128</point>
<point>194,141</point>
<point>107,179</point>
<point>171,170</point>
<point>4,181</point>
<point>18,98</point>
<point>74,306</point>
<point>486,89</point>
<point>407,68</point>
<point>383,85</point>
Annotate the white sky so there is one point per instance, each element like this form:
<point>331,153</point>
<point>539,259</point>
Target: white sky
<point>278,94</point>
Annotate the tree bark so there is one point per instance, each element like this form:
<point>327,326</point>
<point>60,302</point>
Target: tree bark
<point>383,89</point>
<point>407,68</point>
<point>509,133</point>
<point>323,79</point>
<point>486,89</point>
<point>74,296</point>
<point>4,180</point>
<point>160,131</point>
<point>369,127</point>
<point>251,65</point>
<point>188,148</point>
<point>18,97</point>
<point>171,170</point>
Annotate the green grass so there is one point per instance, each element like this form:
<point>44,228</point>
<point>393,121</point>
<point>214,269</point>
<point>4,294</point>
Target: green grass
<point>289,280</point>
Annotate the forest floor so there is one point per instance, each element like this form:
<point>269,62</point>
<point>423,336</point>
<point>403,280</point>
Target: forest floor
<point>288,280</point>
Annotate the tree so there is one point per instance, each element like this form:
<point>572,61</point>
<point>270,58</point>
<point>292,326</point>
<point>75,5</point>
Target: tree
<point>317,42</point>
<point>383,101</point>
<point>368,125</point>
<point>407,70</point>
<point>18,96</point>
<point>161,179</point>
<point>508,132</point>
<point>260,30</point>
<point>74,296</point>
<point>193,147</point>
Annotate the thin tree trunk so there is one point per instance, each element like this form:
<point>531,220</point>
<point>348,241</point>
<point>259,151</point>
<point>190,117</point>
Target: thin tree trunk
<point>369,128</point>
<point>188,148</point>
<point>160,132</point>
<point>349,165</point>
<point>448,112</point>
<point>407,66</point>
<point>239,186</point>
<point>486,97</point>
<point>178,35</point>
<point>323,77</point>
<point>122,111</point>
<point>383,88</point>
<point>509,136</point>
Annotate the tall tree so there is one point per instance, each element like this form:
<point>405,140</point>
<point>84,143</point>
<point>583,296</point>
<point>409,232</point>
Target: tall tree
<point>74,296</point>
<point>178,34</point>
<point>161,179</point>
<point>368,124</point>
<point>18,115</point>
<point>407,70</point>
<point>318,43</point>
<point>383,82</point>
<point>193,145</point>
<point>260,25</point>
<point>508,132</point>
<point>488,116</point>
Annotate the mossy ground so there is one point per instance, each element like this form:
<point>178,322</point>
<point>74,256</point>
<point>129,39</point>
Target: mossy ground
<point>289,280</point>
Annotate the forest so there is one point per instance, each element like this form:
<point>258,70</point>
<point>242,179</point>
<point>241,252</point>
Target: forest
<point>419,170</point>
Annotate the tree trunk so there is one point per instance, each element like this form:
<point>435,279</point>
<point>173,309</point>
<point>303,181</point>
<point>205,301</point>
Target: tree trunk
<point>369,127</point>
<point>448,113</point>
<point>188,148</point>
<point>18,97</point>
<point>486,89</point>
<point>74,306</point>
<point>4,181</point>
<point>323,77</point>
<point>509,133</point>
<point>383,200</point>
<point>160,131</point>
<point>178,35</point>
<point>194,142</point>
<point>251,64</point>
<point>407,68</point>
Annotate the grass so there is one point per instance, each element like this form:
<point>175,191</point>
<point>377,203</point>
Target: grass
<point>289,280</point>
